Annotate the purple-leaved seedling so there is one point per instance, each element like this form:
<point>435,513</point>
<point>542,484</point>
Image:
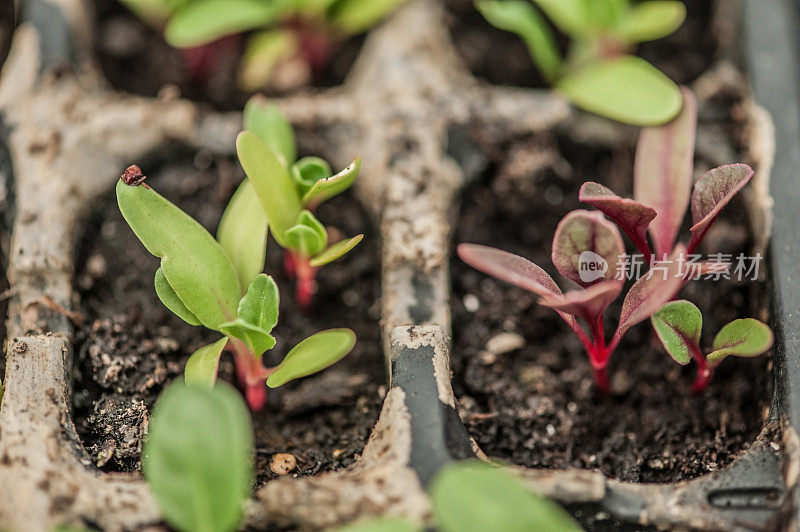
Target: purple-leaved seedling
<point>678,325</point>
<point>586,244</point>
<point>584,239</point>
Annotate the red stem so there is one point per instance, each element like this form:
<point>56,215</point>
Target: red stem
<point>601,379</point>
<point>298,266</point>
<point>251,374</point>
<point>704,371</point>
<point>203,61</point>
<point>599,355</point>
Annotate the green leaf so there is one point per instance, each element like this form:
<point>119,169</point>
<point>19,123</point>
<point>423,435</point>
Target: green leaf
<point>381,525</point>
<point>257,339</point>
<point>605,13</point>
<point>155,12</point>
<point>648,21</point>
<point>325,189</point>
<point>260,305</point>
<point>356,16</point>
<point>203,21</point>
<point>741,338</point>
<point>519,16</point>
<point>198,457</point>
<point>308,236</point>
<point>307,171</point>
<point>242,233</point>
<point>573,17</point>
<point>475,497</point>
<point>678,325</point>
<point>262,54</point>
<point>265,120</point>
<point>257,315</point>
<point>194,264</point>
<point>203,365</point>
<point>272,183</point>
<point>336,251</point>
<point>627,89</point>
<point>171,300</point>
<point>313,354</point>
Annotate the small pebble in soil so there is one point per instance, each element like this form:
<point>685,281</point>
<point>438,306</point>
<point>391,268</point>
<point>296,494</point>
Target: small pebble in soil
<point>283,463</point>
<point>471,303</point>
<point>505,342</point>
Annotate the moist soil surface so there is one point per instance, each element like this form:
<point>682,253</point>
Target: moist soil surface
<point>130,346</point>
<point>135,58</point>
<point>524,384</point>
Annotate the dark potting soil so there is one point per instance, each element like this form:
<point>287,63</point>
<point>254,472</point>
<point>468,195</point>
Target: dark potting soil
<point>131,346</point>
<point>501,57</point>
<point>535,404</point>
<point>135,58</point>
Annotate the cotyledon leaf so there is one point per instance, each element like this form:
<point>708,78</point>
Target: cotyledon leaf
<point>313,354</point>
<point>741,338</point>
<point>203,21</point>
<point>194,264</point>
<point>678,325</point>
<point>627,89</point>
<point>203,364</point>
<point>171,300</point>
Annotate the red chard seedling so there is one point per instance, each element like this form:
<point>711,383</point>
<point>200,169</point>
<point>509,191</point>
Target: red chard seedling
<point>588,250</point>
<point>217,283</point>
<point>288,191</point>
<point>678,325</point>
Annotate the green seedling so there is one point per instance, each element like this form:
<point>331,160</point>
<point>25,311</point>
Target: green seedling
<point>303,33</point>
<point>473,496</point>
<point>198,457</point>
<point>217,283</point>
<point>598,73</point>
<point>289,190</point>
<point>678,325</point>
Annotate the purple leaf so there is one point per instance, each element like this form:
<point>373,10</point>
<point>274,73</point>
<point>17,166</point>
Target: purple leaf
<point>652,291</point>
<point>663,172</point>
<point>512,269</point>
<point>509,268</point>
<point>711,193</point>
<point>587,247</point>
<point>588,303</point>
<point>630,215</point>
